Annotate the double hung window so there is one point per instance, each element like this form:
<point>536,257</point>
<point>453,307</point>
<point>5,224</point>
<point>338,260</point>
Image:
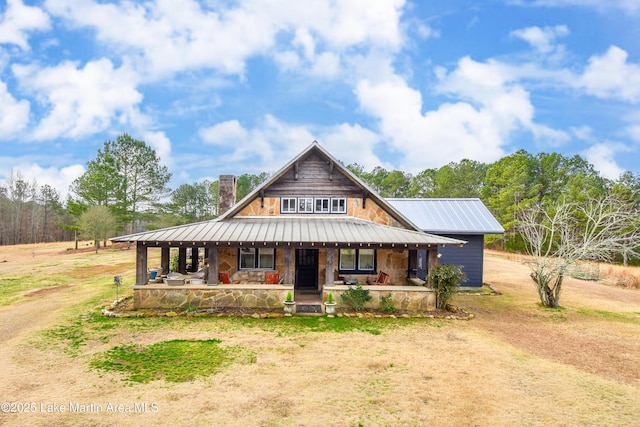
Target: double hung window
<point>257,258</point>
<point>357,260</point>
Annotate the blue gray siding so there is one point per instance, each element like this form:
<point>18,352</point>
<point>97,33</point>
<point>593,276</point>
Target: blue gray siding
<point>470,257</point>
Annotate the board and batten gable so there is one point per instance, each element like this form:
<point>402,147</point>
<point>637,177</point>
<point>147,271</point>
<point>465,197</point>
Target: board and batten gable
<point>315,177</point>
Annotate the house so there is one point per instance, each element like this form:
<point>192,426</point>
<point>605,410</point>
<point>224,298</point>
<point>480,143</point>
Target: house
<point>464,219</point>
<point>312,228</point>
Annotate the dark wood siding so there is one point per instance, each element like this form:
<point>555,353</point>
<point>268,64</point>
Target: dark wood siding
<point>470,256</point>
<point>314,178</point>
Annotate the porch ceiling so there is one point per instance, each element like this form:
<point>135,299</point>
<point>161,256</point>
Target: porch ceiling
<point>299,231</point>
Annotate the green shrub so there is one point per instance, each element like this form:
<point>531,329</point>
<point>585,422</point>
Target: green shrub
<point>330,298</point>
<point>355,297</point>
<point>174,263</point>
<point>289,297</point>
<point>386,304</point>
<point>445,279</point>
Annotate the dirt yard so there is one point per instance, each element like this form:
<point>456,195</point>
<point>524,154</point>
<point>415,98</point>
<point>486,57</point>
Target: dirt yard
<point>515,363</point>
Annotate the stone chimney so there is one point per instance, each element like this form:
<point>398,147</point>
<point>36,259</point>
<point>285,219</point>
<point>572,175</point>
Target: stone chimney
<point>226,192</point>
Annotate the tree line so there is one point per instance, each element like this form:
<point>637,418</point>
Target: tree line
<point>125,190</point>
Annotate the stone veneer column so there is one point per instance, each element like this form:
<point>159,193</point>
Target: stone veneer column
<point>226,193</point>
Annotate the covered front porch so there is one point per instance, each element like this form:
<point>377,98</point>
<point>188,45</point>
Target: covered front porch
<point>238,260</point>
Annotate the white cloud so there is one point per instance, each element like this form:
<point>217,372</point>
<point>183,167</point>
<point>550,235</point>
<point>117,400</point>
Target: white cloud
<point>610,76</point>
<point>489,108</point>
<point>634,132</point>
<point>14,114</point>
<point>170,36</point>
<point>58,178</point>
<point>161,144</point>
<point>272,142</point>
<point>18,20</point>
<point>582,132</point>
<point>353,144</point>
<point>542,39</point>
<point>82,101</point>
<point>602,157</point>
<point>225,133</point>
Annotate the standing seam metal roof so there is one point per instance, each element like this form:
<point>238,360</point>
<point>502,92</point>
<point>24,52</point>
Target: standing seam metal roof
<point>454,216</point>
<point>301,229</point>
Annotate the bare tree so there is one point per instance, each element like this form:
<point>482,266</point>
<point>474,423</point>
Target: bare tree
<point>561,236</point>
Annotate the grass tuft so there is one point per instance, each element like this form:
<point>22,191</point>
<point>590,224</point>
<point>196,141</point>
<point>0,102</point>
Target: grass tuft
<point>172,361</point>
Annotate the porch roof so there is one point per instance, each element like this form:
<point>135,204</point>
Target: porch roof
<point>288,231</point>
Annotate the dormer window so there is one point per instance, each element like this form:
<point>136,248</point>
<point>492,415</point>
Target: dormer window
<point>305,205</point>
<point>309,205</point>
<point>322,205</point>
<point>339,205</point>
<point>288,205</point>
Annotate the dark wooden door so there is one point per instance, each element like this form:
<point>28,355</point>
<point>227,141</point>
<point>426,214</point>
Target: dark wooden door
<point>306,269</point>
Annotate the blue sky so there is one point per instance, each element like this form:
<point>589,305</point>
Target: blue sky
<point>218,86</point>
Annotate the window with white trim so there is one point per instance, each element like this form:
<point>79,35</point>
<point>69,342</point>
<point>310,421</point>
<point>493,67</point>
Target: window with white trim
<point>339,205</point>
<point>305,204</point>
<point>288,205</point>
<point>334,205</point>
<point>322,205</point>
<point>257,258</point>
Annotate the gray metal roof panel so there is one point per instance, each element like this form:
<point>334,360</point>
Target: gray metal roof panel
<point>290,229</point>
<point>456,216</point>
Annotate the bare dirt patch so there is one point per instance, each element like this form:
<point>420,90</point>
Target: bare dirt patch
<point>46,291</point>
<point>581,334</point>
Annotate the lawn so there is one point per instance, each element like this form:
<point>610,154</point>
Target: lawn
<point>514,363</point>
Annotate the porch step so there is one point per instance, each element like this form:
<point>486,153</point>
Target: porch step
<point>309,308</point>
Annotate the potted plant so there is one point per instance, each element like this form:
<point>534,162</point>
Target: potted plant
<point>330,305</point>
<point>289,303</point>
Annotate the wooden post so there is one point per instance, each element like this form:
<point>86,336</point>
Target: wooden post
<point>195,254</point>
<point>212,278</point>
<point>164,260</point>
<point>432,255</point>
<point>330,256</point>
<point>288,266</point>
<point>182,260</point>
<point>141,264</point>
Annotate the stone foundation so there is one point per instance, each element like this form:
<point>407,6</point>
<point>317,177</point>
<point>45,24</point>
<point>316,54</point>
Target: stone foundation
<point>412,298</point>
<point>210,297</point>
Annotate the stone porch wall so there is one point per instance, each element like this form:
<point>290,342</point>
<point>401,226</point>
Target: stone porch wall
<point>412,298</point>
<point>207,297</point>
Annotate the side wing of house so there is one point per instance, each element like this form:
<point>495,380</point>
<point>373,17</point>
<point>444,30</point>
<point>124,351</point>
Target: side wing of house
<point>464,219</point>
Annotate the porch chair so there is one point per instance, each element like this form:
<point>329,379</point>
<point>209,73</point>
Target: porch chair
<point>272,277</point>
<point>381,279</point>
<point>224,277</point>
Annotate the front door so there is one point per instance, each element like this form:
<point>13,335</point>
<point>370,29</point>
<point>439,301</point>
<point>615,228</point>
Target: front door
<point>306,269</point>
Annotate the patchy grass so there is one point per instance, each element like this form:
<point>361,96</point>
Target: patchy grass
<point>610,315</point>
<point>584,357</point>
<point>172,361</point>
